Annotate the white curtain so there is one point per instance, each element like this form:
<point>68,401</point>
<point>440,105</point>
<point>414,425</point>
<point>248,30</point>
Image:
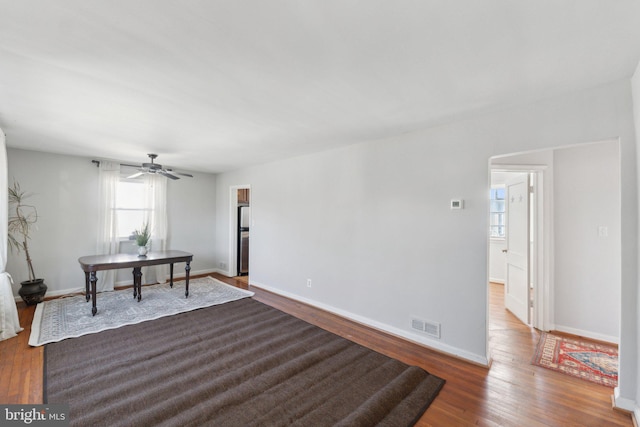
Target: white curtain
<point>156,216</point>
<point>9,321</point>
<point>108,178</point>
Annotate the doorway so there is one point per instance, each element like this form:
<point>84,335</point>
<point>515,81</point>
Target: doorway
<point>576,244</point>
<point>516,242</point>
<point>244,216</point>
<point>239,231</point>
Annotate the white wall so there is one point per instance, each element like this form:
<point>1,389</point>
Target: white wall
<point>65,193</point>
<point>191,211</point>
<point>63,190</point>
<point>587,263</point>
<point>341,217</point>
<point>372,237</point>
<point>630,348</point>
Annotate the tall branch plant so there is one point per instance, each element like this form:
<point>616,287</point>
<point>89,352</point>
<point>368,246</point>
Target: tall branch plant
<point>22,219</point>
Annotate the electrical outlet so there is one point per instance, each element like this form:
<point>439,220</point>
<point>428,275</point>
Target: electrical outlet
<point>308,283</point>
<point>223,265</point>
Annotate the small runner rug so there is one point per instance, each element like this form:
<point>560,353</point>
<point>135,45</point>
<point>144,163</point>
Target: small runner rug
<point>593,362</point>
<point>242,363</point>
<point>62,318</point>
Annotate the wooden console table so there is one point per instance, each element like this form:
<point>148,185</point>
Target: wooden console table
<point>91,264</point>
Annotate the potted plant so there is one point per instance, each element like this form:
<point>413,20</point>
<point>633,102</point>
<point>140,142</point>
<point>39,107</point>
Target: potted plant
<point>22,219</point>
<point>142,238</point>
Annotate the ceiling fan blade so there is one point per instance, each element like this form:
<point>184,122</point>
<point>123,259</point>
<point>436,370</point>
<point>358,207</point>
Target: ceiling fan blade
<point>167,174</point>
<point>179,173</point>
<point>135,175</point>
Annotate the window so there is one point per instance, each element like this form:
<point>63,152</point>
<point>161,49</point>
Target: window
<point>496,213</point>
<point>130,210</point>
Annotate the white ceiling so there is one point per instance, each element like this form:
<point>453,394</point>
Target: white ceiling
<point>217,85</point>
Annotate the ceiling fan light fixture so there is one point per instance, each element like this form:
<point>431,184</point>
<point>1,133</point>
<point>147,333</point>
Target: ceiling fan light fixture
<point>155,168</point>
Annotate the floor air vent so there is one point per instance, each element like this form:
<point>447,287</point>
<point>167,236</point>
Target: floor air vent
<point>430,328</point>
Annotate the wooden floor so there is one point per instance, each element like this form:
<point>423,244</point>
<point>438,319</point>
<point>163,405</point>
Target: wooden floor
<point>512,393</point>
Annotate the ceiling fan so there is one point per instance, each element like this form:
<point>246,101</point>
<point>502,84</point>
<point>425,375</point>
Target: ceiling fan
<point>151,168</point>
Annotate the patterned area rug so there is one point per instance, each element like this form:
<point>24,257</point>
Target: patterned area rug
<point>597,363</point>
<point>70,317</point>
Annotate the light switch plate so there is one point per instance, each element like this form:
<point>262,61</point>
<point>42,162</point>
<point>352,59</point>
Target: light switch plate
<point>603,231</point>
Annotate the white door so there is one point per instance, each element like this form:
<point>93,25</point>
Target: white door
<point>516,291</point>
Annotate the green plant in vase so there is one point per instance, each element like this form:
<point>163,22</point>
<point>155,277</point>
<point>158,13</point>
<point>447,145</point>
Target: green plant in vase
<point>142,238</point>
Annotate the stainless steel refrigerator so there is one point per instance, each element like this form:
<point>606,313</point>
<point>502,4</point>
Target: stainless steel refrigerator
<point>244,215</point>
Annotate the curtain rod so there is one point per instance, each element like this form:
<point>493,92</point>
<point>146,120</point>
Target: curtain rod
<point>97,163</point>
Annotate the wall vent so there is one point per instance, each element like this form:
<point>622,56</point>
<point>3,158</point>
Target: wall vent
<point>428,327</point>
<point>417,324</point>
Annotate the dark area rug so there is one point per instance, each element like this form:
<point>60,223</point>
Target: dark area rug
<point>595,362</point>
<point>242,363</point>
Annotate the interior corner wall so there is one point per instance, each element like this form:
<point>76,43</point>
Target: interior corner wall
<point>65,193</point>
<point>371,224</point>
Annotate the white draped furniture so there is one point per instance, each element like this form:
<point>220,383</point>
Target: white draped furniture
<point>9,322</point>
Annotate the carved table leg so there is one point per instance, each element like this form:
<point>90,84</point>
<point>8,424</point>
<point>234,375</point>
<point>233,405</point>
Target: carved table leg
<point>94,280</point>
<point>86,286</point>
<point>171,275</point>
<point>187,268</point>
<point>135,287</point>
<point>137,282</point>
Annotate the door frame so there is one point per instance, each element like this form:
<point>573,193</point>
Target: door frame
<point>233,228</point>
<point>542,225</point>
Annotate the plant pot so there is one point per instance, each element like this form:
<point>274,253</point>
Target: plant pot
<point>142,251</point>
<point>32,291</point>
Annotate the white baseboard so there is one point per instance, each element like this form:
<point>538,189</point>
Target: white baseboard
<point>445,348</point>
<point>587,334</point>
<point>626,405</point>
<point>177,275</point>
<point>225,273</point>
<point>63,292</point>
<point>56,293</point>
<point>192,273</point>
